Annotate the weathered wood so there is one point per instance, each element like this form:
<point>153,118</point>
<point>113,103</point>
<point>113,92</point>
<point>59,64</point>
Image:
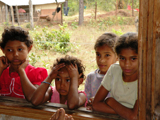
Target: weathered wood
<point>62,13</point>
<point>149,47</point>
<point>20,107</point>
<point>6,14</point>
<point>17,13</point>
<point>95,10</point>
<point>132,8</point>
<point>31,14</point>
<point>12,14</point>
<point>81,12</point>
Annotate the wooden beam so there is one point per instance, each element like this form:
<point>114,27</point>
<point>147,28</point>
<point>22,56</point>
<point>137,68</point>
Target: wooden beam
<point>149,47</point>
<point>21,108</point>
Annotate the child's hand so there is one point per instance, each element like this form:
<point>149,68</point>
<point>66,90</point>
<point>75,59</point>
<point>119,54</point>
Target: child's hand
<point>3,63</point>
<point>55,69</point>
<point>23,65</point>
<point>89,104</point>
<point>73,71</point>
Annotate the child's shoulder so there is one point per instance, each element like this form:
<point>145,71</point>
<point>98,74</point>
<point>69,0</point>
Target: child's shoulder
<point>32,69</point>
<point>115,66</point>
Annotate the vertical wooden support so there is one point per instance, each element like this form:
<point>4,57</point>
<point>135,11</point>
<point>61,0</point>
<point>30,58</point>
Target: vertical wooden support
<point>61,15</point>
<point>95,10</point>
<point>81,12</point>
<point>1,18</point>
<point>17,13</point>
<point>149,55</point>
<point>31,14</point>
<point>132,8</point>
<point>6,14</point>
<point>12,13</point>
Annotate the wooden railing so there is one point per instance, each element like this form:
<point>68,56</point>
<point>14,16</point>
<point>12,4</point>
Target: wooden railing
<point>10,106</point>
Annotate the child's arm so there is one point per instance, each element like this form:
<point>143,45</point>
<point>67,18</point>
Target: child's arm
<point>43,92</point>
<point>98,102</point>
<point>74,100</point>
<point>127,113</point>
<point>3,64</point>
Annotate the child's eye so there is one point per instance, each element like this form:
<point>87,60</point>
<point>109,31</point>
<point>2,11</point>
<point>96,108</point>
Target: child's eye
<point>107,55</point>
<point>9,50</point>
<point>133,58</point>
<point>20,49</point>
<point>122,58</point>
<point>98,55</point>
<point>68,80</point>
<point>58,79</point>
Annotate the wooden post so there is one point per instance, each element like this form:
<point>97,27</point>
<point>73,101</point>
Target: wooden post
<point>17,13</point>
<point>61,15</point>
<point>31,14</point>
<point>95,10</point>
<point>149,55</point>
<point>116,6</point>
<point>132,8</point>
<point>12,13</point>
<point>6,14</point>
<point>81,11</point>
<point>1,20</point>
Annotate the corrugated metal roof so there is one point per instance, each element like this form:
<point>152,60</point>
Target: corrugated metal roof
<point>26,2</point>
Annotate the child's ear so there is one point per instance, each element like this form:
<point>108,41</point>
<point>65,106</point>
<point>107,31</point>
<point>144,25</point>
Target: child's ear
<point>29,48</point>
<point>80,81</point>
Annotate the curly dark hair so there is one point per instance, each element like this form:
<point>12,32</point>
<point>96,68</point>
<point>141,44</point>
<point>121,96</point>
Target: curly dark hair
<point>15,33</point>
<point>108,39</point>
<point>71,60</point>
<point>127,40</point>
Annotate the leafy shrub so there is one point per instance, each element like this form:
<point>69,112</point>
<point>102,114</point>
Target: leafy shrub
<point>57,40</point>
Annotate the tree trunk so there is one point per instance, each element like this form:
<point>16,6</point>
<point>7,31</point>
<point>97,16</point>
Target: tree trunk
<point>81,10</point>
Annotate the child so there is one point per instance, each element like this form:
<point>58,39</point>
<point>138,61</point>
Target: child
<point>68,75</point>
<point>105,56</point>
<point>16,44</point>
<point>121,81</point>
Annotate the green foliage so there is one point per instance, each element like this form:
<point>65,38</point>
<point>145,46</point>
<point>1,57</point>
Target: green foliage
<point>33,58</point>
<point>74,25</point>
<point>57,40</point>
<point>28,25</point>
<point>117,32</point>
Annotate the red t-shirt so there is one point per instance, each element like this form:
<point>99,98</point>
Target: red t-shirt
<point>10,85</point>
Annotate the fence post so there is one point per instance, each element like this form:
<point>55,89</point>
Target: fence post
<point>95,10</point>
<point>17,13</point>
<point>6,14</point>
<point>12,13</point>
<point>31,14</point>
<point>81,10</point>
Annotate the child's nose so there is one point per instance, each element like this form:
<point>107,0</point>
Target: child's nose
<point>15,53</point>
<point>62,84</point>
<point>102,60</point>
<point>127,63</point>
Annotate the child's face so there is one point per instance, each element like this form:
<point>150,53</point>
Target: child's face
<point>16,52</point>
<point>62,81</point>
<point>128,60</point>
<point>105,57</point>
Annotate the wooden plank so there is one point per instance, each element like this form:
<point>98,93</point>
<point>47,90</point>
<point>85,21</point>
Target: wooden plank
<point>19,107</point>
<point>149,66</point>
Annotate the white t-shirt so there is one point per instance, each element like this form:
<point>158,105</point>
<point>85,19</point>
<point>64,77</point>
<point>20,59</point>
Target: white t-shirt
<point>123,92</point>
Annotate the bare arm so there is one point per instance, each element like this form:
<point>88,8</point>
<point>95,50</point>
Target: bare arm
<point>74,100</point>
<point>127,113</point>
<point>3,64</point>
<point>98,102</point>
<point>43,93</point>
